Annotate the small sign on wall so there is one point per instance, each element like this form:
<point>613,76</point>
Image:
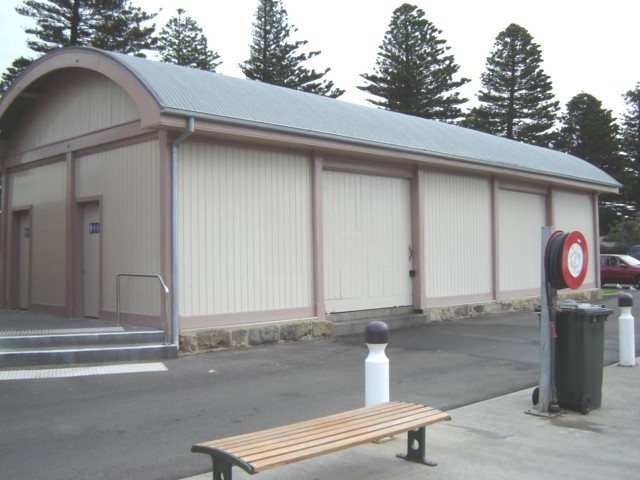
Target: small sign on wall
<point>94,227</point>
<point>27,232</point>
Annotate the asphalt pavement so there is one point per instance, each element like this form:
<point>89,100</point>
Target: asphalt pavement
<point>481,370</point>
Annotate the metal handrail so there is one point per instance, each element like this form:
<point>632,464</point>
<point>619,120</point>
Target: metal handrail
<point>166,297</point>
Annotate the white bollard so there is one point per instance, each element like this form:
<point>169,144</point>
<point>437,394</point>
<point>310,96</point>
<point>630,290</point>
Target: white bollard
<point>626,331</point>
<point>376,366</point>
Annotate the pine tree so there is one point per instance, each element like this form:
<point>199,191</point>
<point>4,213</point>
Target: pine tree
<point>11,73</point>
<point>516,99</point>
<point>182,42</point>
<point>113,25</point>
<point>413,75</point>
<point>630,142</point>
<point>274,59</point>
<point>590,132</point>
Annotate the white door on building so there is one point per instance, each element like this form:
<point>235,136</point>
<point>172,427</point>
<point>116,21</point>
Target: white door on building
<point>23,244</point>
<point>91,231</point>
<point>367,242</point>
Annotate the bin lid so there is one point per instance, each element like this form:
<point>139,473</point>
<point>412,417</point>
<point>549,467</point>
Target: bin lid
<point>583,308</point>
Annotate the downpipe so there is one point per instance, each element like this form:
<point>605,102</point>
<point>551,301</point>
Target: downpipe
<point>175,290</point>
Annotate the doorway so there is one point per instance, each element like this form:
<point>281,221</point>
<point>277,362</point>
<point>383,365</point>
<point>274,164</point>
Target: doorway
<point>367,242</point>
<point>89,258</point>
<point>21,267</point>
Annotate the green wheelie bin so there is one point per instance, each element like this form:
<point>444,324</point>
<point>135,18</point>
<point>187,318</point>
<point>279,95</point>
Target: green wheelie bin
<point>579,355</point>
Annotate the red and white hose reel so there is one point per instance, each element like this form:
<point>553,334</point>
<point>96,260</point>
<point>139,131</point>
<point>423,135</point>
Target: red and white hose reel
<point>566,259</point>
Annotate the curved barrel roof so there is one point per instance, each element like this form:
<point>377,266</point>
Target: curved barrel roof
<point>195,93</point>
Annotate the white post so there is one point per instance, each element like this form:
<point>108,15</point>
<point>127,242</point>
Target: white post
<point>626,332</point>
<point>376,365</point>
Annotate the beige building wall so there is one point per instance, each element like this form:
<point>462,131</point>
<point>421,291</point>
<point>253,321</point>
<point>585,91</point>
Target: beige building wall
<point>43,189</point>
<point>575,211</point>
<point>245,241</point>
<point>125,182</point>
<point>457,237</point>
<point>521,216</point>
<point>77,102</point>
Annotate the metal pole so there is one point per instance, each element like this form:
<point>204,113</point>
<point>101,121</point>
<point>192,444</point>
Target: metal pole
<point>118,297</point>
<point>544,396</point>
<point>165,290</point>
<point>175,287</point>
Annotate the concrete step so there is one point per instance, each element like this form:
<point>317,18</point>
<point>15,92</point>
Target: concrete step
<point>355,326</point>
<point>83,345</point>
<point>87,337</point>
<point>22,357</point>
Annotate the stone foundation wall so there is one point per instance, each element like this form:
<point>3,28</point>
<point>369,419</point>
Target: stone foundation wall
<point>216,338</point>
<point>513,305</point>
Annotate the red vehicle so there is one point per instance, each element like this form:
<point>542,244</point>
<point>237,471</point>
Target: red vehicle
<point>622,269</point>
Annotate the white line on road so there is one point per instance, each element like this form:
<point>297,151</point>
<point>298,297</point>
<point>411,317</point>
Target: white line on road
<point>82,371</point>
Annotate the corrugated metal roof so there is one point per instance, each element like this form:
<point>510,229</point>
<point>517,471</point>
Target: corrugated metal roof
<point>191,92</point>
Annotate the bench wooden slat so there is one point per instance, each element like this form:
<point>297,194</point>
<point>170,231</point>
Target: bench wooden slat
<point>286,429</point>
<point>299,441</point>
<point>337,445</point>
<point>296,431</point>
<point>319,435</point>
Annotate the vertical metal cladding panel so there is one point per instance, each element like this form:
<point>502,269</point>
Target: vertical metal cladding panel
<point>44,188</point>
<point>458,235</point>
<point>76,103</point>
<point>521,218</point>
<point>575,211</point>
<point>367,236</point>
<point>127,178</point>
<point>244,230</point>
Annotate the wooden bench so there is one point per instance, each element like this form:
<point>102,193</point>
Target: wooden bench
<point>254,452</point>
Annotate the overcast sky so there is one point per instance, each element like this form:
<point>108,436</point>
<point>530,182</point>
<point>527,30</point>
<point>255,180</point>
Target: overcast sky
<point>590,47</point>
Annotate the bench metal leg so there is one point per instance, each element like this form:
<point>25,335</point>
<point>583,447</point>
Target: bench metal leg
<point>221,470</point>
<point>416,448</point>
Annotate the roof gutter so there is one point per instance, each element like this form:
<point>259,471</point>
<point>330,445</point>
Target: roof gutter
<point>603,185</point>
<point>175,327</point>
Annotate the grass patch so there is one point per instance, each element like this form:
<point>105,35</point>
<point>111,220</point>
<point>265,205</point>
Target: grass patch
<point>610,291</point>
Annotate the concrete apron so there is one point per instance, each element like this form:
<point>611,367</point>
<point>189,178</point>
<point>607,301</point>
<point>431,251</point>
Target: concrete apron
<point>495,439</point>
